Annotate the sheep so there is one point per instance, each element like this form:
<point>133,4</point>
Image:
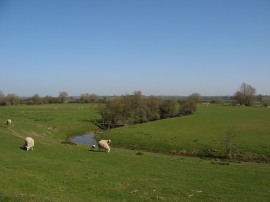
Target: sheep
<point>9,122</point>
<point>29,143</point>
<point>104,144</point>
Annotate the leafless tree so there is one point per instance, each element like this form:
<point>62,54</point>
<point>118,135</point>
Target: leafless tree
<point>12,99</point>
<point>245,95</point>
<point>1,94</point>
<point>88,98</point>
<point>63,97</point>
<point>196,97</point>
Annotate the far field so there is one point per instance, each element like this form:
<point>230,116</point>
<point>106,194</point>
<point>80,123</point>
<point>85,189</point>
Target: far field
<point>202,132</point>
<point>63,172</point>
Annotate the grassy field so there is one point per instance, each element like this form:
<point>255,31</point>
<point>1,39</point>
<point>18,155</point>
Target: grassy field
<point>62,172</point>
<point>203,131</point>
<point>51,121</point>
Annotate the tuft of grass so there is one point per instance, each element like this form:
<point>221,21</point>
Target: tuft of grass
<point>228,144</point>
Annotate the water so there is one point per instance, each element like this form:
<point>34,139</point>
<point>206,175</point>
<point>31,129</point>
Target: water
<point>84,139</point>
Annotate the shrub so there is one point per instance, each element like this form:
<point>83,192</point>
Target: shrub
<point>134,109</point>
<point>228,144</point>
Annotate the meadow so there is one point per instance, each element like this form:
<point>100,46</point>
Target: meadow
<point>202,132</point>
<point>63,172</point>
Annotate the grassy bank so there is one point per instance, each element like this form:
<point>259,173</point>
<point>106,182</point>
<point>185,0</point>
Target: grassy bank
<point>202,132</point>
<point>56,172</point>
<point>56,121</point>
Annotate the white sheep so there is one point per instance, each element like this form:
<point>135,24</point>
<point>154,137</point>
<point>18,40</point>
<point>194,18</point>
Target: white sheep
<point>104,144</point>
<point>29,143</point>
<point>9,122</point>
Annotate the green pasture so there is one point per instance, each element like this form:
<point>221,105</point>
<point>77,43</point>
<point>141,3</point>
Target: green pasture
<point>57,121</point>
<point>63,172</point>
<point>203,131</point>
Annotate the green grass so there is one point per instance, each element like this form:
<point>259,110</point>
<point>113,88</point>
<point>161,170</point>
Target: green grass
<point>204,130</point>
<point>57,121</point>
<point>59,172</point>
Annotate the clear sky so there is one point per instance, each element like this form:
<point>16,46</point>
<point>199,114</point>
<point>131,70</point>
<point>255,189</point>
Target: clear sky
<point>115,47</point>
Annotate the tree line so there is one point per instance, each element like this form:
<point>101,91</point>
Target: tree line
<point>245,95</point>
<point>63,97</point>
<point>136,108</point>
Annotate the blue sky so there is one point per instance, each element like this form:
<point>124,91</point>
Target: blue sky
<point>161,47</point>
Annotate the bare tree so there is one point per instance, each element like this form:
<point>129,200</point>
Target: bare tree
<point>245,95</point>
<point>36,99</point>
<point>87,98</point>
<point>12,99</point>
<point>1,94</point>
<point>196,97</point>
<point>63,97</point>
<point>2,98</point>
<point>217,100</point>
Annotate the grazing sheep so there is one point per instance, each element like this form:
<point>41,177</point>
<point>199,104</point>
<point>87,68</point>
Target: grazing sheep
<point>29,143</point>
<point>104,144</point>
<point>9,122</point>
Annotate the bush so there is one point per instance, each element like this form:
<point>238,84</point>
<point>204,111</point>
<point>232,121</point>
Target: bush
<point>169,108</point>
<point>265,104</point>
<point>228,145</point>
<point>133,109</point>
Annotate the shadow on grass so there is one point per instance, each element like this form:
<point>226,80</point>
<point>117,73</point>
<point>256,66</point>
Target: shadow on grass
<point>22,148</point>
<point>96,150</point>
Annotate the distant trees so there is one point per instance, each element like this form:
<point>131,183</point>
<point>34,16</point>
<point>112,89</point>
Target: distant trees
<point>217,100</point>
<point>245,95</point>
<point>132,109</point>
<point>137,108</point>
<point>196,97</point>
<point>63,97</point>
<point>2,96</point>
<point>12,99</point>
<point>50,100</point>
<point>36,99</point>
<point>88,98</point>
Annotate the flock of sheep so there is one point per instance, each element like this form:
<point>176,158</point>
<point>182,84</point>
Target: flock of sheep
<point>29,142</point>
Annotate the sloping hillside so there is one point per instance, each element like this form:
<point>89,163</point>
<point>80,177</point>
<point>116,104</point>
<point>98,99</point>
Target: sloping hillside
<point>203,131</point>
